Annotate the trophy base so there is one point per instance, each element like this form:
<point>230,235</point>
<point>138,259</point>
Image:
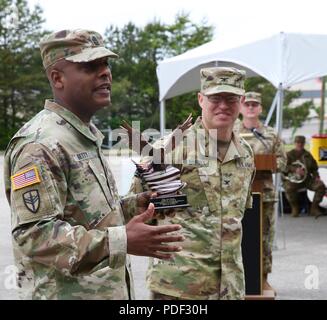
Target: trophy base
<point>170,202</point>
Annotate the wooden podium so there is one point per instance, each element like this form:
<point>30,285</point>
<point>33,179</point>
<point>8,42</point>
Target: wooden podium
<point>252,231</point>
<point>265,164</point>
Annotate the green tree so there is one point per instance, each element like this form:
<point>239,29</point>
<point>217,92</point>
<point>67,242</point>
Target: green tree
<point>135,86</point>
<point>23,85</point>
<point>186,35</point>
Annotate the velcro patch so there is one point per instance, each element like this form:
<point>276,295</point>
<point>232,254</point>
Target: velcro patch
<point>25,178</point>
<point>32,200</point>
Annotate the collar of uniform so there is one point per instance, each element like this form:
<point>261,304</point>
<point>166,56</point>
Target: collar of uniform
<point>244,129</point>
<point>91,132</point>
<point>235,149</point>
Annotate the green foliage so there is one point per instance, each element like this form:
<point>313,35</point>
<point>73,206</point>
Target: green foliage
<point>23,85</point>
<point>135,92</point>
<point>292,117</point>
<point>135,89</point>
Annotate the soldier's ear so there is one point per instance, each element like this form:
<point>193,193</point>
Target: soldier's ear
<point>56,78</point>
<point>242,99</point>
<point>200,99</point>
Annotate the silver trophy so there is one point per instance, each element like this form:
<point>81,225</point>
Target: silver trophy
<point>161,178</point>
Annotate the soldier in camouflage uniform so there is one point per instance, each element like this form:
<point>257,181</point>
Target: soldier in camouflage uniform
<point>263,140</point>
<point>311,182</point>
<point>218,167</point>
<point>68,223</point>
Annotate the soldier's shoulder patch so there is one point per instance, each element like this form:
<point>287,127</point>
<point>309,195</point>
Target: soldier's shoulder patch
<point>32,200</point>
<point>25,178</point>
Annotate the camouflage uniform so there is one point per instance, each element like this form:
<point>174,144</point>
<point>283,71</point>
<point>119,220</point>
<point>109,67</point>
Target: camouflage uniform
<point>269,196</point>
<point>311,182</point>
<point>68,230</point>
<point>210,264</point>
<point>70,240</point>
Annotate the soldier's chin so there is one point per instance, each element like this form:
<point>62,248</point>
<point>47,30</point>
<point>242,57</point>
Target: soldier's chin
<point>104,102</point>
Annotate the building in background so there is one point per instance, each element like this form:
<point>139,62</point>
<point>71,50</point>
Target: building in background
<point>311,90</point>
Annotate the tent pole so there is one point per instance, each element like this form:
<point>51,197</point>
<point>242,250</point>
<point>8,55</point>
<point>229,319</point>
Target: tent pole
<point>278,182</point>
<point>272,109</point>
<point>279,115</point>
<point>162,117</point>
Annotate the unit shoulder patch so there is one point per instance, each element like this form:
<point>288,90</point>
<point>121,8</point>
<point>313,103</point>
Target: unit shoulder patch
<point>32,200</point>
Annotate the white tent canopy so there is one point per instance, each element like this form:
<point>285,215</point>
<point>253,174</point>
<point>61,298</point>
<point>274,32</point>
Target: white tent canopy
<point>283,59</point>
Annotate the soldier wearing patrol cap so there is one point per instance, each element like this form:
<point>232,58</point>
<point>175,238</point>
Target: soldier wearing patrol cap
<point>308,173</point>
<point>68,222</point>
<point>217,167</point>
<point>263,140</point>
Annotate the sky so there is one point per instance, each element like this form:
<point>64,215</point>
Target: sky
<point>238,19</point>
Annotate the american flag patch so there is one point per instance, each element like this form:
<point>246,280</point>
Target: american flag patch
<point>25,178</point>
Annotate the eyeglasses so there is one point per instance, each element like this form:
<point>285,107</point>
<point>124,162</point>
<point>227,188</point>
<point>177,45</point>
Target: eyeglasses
<point>229,100</point>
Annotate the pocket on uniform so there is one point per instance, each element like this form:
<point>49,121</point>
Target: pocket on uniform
<point>89,190</point>
<point>194,190</point>
<point>102,181</point>
<point>209,178</point>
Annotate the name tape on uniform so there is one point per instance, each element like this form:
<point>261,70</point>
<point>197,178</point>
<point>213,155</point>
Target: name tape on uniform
<point>84,156</point>
<point>25,178</point>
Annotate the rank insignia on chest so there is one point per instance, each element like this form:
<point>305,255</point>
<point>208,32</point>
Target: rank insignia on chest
<point>25,178</point>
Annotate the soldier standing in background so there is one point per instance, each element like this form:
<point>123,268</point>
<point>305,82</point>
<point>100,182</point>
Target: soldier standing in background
<point>217,167</point>
<point>68,223</point>
<point>308,172</point>
<point>263,140</point>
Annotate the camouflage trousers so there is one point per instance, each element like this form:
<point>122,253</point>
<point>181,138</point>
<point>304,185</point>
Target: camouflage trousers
<point>159,296</point>
<point>291,190</point>
<point>268,234</point>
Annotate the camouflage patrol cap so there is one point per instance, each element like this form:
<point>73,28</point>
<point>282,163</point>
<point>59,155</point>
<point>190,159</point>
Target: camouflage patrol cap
<point>222,79</point>
<point>73,45</point>
<point>253,97</point>
<point>299,139</point>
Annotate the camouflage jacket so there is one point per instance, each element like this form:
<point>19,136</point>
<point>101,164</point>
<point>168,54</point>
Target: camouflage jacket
<point>307,159</point>
<point>273,145</point>
<point>68,228</point>
<point>210,264</point>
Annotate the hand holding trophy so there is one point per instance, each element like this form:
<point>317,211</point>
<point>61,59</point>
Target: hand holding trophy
<point>161,178</point>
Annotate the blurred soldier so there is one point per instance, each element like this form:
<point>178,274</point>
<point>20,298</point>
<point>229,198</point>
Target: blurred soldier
<point>308,173</point>
<point>263,140</point>
<point>217,167</point>
<point>69,237</point>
